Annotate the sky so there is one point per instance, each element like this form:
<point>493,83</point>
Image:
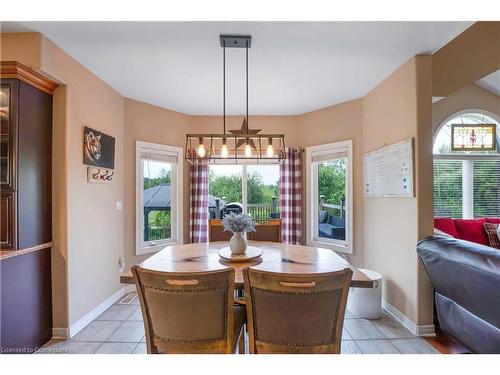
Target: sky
<point>152,168</point>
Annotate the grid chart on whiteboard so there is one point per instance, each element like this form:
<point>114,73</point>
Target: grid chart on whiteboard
<point>388,172</point>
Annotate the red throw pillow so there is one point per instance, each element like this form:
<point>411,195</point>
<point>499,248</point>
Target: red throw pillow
<point>472,230</point>
<point>494,220</point>
<point>447,225</point>
<point>492,231</point>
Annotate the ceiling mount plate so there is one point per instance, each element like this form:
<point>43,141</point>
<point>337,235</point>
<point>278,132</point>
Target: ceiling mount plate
<point>235,41</point>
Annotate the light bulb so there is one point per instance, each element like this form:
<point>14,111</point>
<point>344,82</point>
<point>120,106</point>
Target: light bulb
<point>201,150</point>
<point>248,151</point>
<point>224,152</point>
<point>270,151</point>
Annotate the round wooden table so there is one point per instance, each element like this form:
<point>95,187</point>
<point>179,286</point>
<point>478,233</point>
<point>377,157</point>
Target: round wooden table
<point>276,257</point>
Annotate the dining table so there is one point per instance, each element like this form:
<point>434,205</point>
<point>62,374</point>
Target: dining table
<point>276,257</point>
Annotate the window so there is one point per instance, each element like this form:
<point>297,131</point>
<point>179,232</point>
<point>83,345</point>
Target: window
<point>329,201</point>
<point>486,188</point>
<point>158,196</point>
<point>254,187</point>
<point>466,183</point>
<point>263,191</point>
<point>448,188</point>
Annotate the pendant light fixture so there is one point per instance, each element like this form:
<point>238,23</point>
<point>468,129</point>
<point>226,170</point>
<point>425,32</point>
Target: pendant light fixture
<point>239,145</point>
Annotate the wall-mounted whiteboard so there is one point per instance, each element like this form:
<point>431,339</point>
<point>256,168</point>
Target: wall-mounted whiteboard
<point>388,172</point>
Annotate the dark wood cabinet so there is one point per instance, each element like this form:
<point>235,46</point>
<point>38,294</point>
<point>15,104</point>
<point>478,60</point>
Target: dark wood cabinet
<point>25,208</point>
<point>25,302</point>
<point>34,167</point>
<point>26,164</point>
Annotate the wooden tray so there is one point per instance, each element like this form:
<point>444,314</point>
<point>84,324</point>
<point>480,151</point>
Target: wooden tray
<point>251,253</point>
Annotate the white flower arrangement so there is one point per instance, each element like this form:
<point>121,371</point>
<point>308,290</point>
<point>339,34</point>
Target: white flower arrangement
<point>238,223</point>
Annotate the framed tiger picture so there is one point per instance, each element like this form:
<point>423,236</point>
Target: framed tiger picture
<point>98,149</point>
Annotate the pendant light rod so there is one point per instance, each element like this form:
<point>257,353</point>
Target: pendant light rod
<point>224,85</point>
<point>246,50</point>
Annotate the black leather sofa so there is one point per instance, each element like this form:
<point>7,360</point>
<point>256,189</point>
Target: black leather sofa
<point>466,281</point>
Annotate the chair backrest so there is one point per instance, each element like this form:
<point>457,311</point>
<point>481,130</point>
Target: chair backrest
<point>296,313</point>
<point>216,231</point>
<point>267,231</point>
<point>187,312</point>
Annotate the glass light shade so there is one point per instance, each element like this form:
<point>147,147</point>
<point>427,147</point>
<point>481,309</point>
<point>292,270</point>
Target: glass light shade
<point>201,150</point>
<point>270,151</point>
<point>248,151</point>
<point>224,152</point>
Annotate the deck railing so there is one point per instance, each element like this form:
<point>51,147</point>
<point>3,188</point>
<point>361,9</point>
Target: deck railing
<point>337,210</point>
<point>155,233</point>
<point>263,211</point>
<point>257,211</point>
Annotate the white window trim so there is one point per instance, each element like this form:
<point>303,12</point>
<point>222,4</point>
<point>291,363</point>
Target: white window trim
<point>176,191</point>
<point>244,188</point>
<point>312,196</point>
<point>467,189</point>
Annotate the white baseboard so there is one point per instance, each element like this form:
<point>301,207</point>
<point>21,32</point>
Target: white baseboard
<point>426,330</point>
<point>417,330</point>
<point>66,333</point>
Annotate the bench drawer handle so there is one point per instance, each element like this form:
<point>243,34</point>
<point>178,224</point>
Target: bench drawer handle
<point>298,285</point>
<point>181,282</point>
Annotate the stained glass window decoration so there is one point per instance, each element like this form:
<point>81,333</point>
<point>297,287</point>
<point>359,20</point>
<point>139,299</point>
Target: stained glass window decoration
<point>477,137</point>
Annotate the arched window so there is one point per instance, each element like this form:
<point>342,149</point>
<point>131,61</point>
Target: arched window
<point>467,183</point>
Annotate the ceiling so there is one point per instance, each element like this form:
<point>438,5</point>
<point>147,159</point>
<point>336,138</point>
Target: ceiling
<point>294,67</point>
<point>491,82</point>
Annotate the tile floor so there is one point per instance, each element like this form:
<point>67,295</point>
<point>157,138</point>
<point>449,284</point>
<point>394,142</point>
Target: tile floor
<point>120,330</point>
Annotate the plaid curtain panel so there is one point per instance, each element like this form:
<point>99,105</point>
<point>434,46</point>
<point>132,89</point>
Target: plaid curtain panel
<point>199,203</point>
<point>291,197</point>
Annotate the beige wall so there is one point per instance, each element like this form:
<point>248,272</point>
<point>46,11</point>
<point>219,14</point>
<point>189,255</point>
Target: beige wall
<point>334,124</point>
<point>397,109</point>
<point>88,230</point>
<point>94,226</point>
<point>469,97</point>
<point>424,182</point>
<point>23,47</point>
<point>145,122</point>
<point>470,56</point>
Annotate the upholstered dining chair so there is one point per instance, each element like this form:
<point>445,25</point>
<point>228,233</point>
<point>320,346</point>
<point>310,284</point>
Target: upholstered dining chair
<point>190,312</point>
<point>295,313</point>
<point>269,230</point>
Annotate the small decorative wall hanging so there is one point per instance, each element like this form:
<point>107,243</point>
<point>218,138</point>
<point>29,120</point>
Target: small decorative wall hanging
<point>477,137</point>
<point>98,149</point>
<point>100,175</point>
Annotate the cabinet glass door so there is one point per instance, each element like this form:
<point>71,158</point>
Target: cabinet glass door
<point>5,95</point>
